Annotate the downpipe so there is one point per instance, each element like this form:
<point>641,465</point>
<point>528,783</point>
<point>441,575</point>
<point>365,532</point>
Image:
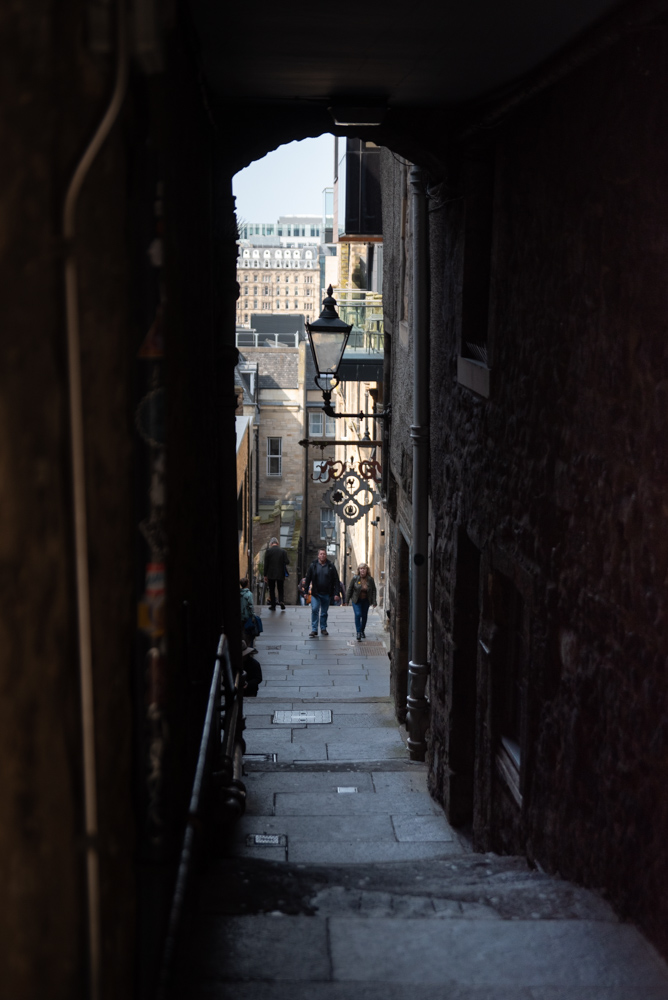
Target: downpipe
<point>417,716</point>
<point>70,277</point>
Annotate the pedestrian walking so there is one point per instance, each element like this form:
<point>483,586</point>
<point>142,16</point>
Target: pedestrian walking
<point>362,594</point>
<point>247,610</point>
<point>301,590</point>
<point>323,580</point>
<point>276,564</point>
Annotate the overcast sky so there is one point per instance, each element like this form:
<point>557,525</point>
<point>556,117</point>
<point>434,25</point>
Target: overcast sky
<point>288,181</point>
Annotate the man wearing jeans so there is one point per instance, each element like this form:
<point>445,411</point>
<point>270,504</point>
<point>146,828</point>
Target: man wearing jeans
<point>324,581</point>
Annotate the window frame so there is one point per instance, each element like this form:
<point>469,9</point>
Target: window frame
<point>275,456</point>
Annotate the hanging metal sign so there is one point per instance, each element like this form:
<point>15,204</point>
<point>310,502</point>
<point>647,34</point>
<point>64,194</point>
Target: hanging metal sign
<point>351,497</point>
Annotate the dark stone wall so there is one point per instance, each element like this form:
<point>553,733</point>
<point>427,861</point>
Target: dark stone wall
<point>54,93</point>
<point>554,487</point>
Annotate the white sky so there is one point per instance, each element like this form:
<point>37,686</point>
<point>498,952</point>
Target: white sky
<point>288,181</point>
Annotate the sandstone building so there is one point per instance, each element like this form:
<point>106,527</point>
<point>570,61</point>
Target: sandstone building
<point>278,279</point>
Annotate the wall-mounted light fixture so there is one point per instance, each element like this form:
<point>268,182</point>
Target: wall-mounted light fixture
<point>328,337</point>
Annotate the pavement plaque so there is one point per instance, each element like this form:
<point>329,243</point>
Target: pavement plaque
<point>266,840</point>
<point>346,789</point>
<point>312,717</point>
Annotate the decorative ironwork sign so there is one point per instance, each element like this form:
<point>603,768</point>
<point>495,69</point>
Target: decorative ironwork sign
<point>369,468</point>
<point>351,497</point>
<point>329,469</point>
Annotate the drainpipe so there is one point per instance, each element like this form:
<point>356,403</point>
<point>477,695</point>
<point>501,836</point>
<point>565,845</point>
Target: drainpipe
<point>79,503</point>
<point>417,717</point>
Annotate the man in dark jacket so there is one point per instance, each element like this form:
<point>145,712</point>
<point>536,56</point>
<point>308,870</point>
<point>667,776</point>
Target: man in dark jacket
<point>275,564</point>
<point>323,579</point>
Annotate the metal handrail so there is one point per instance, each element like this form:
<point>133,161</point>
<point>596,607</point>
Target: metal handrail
<point>233,688</point>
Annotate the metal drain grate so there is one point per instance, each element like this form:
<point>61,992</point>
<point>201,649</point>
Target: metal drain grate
<point>310,717</point>
<point>368,649</point>
<point>346,789</point>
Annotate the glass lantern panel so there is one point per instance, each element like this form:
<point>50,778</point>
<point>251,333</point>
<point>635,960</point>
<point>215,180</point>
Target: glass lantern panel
<point>328,349</point>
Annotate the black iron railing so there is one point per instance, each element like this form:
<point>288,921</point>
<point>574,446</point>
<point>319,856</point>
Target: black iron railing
<point>217,788</point>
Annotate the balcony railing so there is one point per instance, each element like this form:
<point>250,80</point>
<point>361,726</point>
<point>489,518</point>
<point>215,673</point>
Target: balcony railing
<point>365,311</point>
<point>249,338</point>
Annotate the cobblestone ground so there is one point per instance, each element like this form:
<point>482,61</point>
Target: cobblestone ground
<point>344,880</point>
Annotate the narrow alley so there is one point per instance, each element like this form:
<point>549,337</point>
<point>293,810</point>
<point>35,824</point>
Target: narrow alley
<point>344,880</point>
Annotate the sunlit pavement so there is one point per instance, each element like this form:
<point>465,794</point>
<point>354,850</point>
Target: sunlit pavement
<point>344,880</point>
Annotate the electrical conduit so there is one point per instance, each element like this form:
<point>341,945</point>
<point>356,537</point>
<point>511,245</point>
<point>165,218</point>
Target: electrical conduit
<point>79,500</point>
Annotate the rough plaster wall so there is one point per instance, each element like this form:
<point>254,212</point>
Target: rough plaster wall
<point>51,106</point>
<point>564,470</point>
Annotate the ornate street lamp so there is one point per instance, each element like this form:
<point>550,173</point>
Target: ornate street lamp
<point>328,337</point>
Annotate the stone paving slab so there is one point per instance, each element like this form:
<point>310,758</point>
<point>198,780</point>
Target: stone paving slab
<point>394,783</point>
<point>285,948</point>
<point>286,990</point>
<point>417,828</point>
<point>370,991</point>
<point>358,804</point>
<point>319,829</point>
<point>304,784</point>
<point>359,852</point>
<point>518,953</point>
<point>253,707</point>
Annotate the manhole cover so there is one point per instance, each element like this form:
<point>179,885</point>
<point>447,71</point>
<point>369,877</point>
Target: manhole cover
<point>273,757</point>
<point>369,649</point>
<point>346,789</point>
<point>310,717</point>
<point>266,840</point>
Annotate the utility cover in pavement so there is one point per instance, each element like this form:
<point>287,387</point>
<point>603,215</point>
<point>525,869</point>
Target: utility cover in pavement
<point>266,840</point>
<point>368,649</point>
<point>310,717</point>
<point>346,789</point>
<point>273,757</point>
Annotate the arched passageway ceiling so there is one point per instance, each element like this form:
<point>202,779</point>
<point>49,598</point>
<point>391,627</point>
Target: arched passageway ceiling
<point>265,62</point>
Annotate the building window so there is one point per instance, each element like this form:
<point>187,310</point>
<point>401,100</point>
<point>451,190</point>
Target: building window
<point>265,291</point>
<point>330,427</point>
<point>327,517</point>
<point>254,303</point>
<point>287,305</point>
<point>296,278</point>
<point>266,277</point>
<point>308,278</point>
<point>245,277</point>
<point>315,423</point>
<point>255,277</point>
<point>274,456</point>
<point>296,305</point>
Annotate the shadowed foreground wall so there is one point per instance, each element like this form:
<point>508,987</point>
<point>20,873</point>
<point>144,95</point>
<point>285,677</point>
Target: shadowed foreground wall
<point>52,105</point>
<point>549,496</point>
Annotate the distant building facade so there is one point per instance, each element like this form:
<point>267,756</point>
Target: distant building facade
<point>277,279</point>
<point>288,229</point>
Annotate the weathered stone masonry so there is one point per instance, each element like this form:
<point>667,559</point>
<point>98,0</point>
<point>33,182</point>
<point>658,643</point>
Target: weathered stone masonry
<point>550,551</point>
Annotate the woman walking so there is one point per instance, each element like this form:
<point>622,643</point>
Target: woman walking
<point>362,593</point>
